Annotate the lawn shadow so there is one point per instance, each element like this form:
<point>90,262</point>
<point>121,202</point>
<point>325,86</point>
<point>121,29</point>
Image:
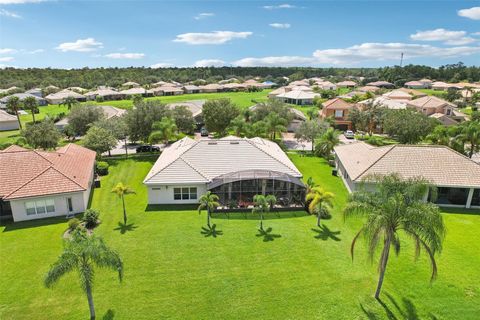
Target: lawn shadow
<point>211,231</point>
<point>248,215</point>
<point>109,315</point>
<point>268,235</point>
<point>405,310</point>
<point>170,207</point>
<point>12,226</point>
<point>324,233</point>
<point>123,228</point>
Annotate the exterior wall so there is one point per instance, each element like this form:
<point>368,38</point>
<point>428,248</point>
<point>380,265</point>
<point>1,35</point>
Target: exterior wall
<point>19,212</point>
<point>9,125</point>
<point>351,186</point>
<point>163,194</point>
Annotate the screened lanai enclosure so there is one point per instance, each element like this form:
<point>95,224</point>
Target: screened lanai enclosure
<point>237,189</point>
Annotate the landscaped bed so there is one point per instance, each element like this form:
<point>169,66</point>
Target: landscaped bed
<point>174,269</point>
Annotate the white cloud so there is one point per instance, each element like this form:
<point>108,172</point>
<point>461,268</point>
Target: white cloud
<point>6,59</point>
<point>280,6</point>
<point>9,14</point>
<point>209,63</point>
<point>476,34</point>
<point>161,65</point>
<point>35,51</point>
<point>7,50</point>
<point>81,45</point>
<point>125,55</point>
<point>215,37</point>
<point>204,15</point>
<point>19,1</point>
<point>284,61</point>
<point>447,36</point>
<point>472,13</point>
<point>280,25</point>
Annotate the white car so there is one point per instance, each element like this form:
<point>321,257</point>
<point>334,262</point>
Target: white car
<point>349,134</point>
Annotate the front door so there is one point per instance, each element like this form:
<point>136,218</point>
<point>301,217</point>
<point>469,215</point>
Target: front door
<point>70,205</point>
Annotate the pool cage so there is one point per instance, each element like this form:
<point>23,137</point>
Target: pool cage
<point>237,189</point>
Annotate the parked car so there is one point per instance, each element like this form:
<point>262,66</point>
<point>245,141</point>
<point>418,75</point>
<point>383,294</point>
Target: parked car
<point>349,134</point>
<point>204,132</point>
<point>147,149</point>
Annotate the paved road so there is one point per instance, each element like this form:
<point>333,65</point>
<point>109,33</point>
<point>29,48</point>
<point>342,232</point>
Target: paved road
<point>131,148</point>
<point>293,144</point>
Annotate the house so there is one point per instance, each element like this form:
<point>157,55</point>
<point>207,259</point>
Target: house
<point>23,96</point>
<point>235,169</point>
<point>457,177</point>
<point>430,105</point>
<point>167,91</point>
<point>426,82</point>
<point>40,184</point>
<point>326,85</point>
<point>385,102</point>
<point>60,96</point>
<point>106,94</point>
<point>8,121</point>
<point>235,87</point>
<point>372,89</point>
<point>137,91</point>
<point>304,82</point>
<point>338,109</point>
<point>108,111</point>
<point>298,97</point>
<point>415,85</point>
<point>130,84</point>
<point>211,88</point>
<point>298,117</point>
<point>347,84</point>
<point>276,92</point>
<point>195,107</point>
<point>382,84</point>
<point>398,95</point>
<point>439,85</point>
<point>190,88</point>
<point>412,92</point>
<point>36,92</point>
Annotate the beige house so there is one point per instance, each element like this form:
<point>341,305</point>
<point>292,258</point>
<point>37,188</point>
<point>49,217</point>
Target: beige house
<point>211,88</point>
<point>430,105</point>
<point>398,95</point>
<point>8,121</point>
<point>298,97</point>
<point>60,96</point>
<point>415,85</point>
<point>347,84</point>
<point>105,93</point>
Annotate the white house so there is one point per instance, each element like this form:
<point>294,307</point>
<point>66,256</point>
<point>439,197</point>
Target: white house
<point>39,184</point>
<point>8,121</point>
<point>234,168</point>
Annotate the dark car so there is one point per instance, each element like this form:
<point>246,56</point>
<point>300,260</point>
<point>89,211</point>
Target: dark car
<point>148,149</point>
<point>204,132</point>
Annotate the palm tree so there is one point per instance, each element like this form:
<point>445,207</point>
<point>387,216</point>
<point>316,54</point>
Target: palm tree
<point>69,102</point>
<point>327,142</point>
<point>13,104</point>
<point>209,202</point>
<point>163,130</point>
<point>470,134</point>
<point>122,190</point>
<point>397,205</point>
<point>31,104</point>
<point>312,113</point>
<point>440,135</point>
<point>320,200</point>
<point>240,126</point>
<point>263,204</point>
<point>275,123</point>
<point>82,253</point>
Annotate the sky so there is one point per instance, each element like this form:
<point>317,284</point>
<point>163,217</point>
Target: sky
<point>76,34</point>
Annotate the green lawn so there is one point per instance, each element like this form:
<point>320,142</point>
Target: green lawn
<point>172,271</point>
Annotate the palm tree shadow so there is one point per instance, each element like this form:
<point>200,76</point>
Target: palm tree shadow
<point>109,315</point>
<point>123,228</point>
<point>211,231</point>
<point>267,235</point>
<point>324,233</point>
<point>405,310</point>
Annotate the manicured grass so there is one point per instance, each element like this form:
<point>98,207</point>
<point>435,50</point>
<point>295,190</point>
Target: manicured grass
<point>173,271</point>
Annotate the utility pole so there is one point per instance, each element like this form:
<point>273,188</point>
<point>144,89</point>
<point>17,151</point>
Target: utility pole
<point>401,59</point>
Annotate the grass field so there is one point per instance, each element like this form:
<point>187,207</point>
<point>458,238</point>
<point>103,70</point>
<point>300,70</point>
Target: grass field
<point>173,271</point>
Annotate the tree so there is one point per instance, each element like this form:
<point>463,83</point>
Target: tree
<point>82,254</point>
<point>31,104</point>
<point>407,125</point>
<point>140,120</point>
<point>264,109</point>
<point>42,135</point>
<point>275,123</point>
<point>397,205</point>
<point>217,115</point>
<point>262,205</point>
<point>163,131</point>
<point>440,135</point>
<point>69,102</point>
<point>320,201</point>
<point>239,126</point>
<point>121,191</point>
<point>312,113</point>
<point>13,105</point>
<point>117,127</point>
<point>99,140</point>
<point>184,119</point>
<point>452,95</point>
<point>209,202</point>
<point>470,134</point>
<point>82,117</point>
<point>310,130</point>
<point>327,142</point>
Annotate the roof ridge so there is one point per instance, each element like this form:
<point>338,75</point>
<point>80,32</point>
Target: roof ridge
<point>374,162</point>
<point>33,178</point>
<point>195,169</point>
<point>255,145</point>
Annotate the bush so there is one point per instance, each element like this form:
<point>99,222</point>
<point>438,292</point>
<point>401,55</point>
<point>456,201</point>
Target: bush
<point>90,217</point>
<point>102,168</point>
<point>99,99</point>
<point>73,224</point>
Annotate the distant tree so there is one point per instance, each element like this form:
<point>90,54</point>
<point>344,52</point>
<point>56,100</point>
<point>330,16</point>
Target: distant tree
<point>319,201</point>
<point>183,119</point>
<point>262,205</point>
<point>310,130</point>
<point>163,130</point>
<point>31,104</point>
<point>312,113</point>
<point>13,105</point>
<point>82,117</point>
<point>452,95</point>
<point>99,140</point>
<point>470,135</point>
<point>209,202</point>
<point>121,191</point>
<point>117,127</point>
<point>326,142</point>
<point>217,115</point>
<point>42,135</point>
<point>240,126</point>
<point>441,135</point>
<point>264,109</point>
<point>257,129</point>
<point>69,102</point>
<point>275,124</point>
<point>408,126</point>
<point>82,253</point>
<point>140,120</point>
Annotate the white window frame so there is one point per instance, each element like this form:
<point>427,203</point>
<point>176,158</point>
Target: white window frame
<point>337,113</point>
<point>40,206</point>
<point>185,193</point>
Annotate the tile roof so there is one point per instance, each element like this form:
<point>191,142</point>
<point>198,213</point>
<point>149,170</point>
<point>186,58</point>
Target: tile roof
<point>29,173</point>
<point>7,117</point>
<point>336,103</point>
<point>190,161</point>
<point>440,165</point>
<point>429,102</point>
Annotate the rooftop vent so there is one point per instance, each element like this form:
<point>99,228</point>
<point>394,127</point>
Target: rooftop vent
<point>212,143</point>
<point>234,142</point>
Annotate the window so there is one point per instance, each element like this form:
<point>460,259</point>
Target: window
<point>70,204</point>
<point>185,193</point>
<point>40,206</point>
<point>338,113</point>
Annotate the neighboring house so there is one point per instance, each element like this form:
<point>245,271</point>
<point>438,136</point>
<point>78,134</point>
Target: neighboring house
<point>426,82</point>
<point>130,84</point>
<point>439,85</point>
<point>297,119</point>
<point>195,107</point>
<point>23,96</point>
<point>326,85</point>
<point>169,90</point>
<point>40,184</point>
<point>415,85</point>
<point>382,84</point>
<point>108,111</point>
<point>234,87</point>
<point>347,84</point>
<point>386,103</point>
<point>456,176</point>
<point>430,105</point>
<point>136,91</point>
<point>60,96</point>
<point>276,92</point>
<point>338,109</point>
<point>398,95</point>
<point>235,169</point>
<point>372,89</point>
<point>298,97</point>
<point>300,83</point>
<point>36,92</point>
<point>105,93</point>
<point>190,88</point>
<point>414,93</point>
<point>8,122</point>
<point>212,87</point>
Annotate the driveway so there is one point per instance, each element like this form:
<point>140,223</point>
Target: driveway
<point>131,148</point>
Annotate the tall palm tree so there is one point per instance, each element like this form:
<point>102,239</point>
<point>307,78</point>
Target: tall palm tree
<point>13,104</point>
<point>82,253</point>
<point>470,134</point>
<point>263,204</point>
<point>122,190</point>
<point>327,142</point>
<point>69,102</point>
<point>397,205</point>
<point>31,104</point>
<point>320,200</point>
<point>209,202</point>
<point>275,123</point>
<point>163,131</point>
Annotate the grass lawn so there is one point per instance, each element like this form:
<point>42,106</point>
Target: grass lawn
<point>173,271</point>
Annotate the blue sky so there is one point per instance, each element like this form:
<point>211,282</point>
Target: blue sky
<point>75,34</point>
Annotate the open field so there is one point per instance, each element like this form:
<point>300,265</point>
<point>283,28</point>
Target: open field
<point>297,271</point>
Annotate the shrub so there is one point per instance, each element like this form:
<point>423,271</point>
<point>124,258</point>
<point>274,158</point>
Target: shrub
<point>102,168</point>
<point>73,224</point>
<point>99,99</point>
<point>90,217</point>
